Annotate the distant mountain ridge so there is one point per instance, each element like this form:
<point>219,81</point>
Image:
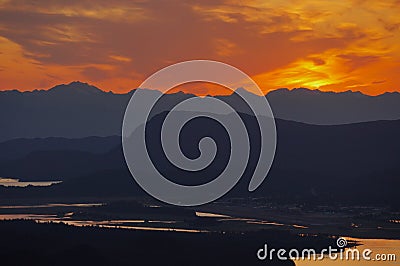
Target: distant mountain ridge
<point>78,110</point>
<point>336,164</point>
<point>330,108</point>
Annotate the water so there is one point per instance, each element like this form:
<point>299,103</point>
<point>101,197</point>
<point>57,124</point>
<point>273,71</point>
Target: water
<point>14,182</point>
<point>211,215</point>
<point>224,217</point>
<point>378,246</point>
<point>51,205</point>
<point>116,224</point>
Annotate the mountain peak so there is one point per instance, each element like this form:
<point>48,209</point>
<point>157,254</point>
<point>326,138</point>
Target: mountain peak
<point>76,87</point>
<point>306,91</point>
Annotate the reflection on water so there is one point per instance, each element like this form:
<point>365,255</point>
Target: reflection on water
<point>378,246</point>
<point>211,215</point>
<point>118,224</point>
<point>43,217</point>
<point>14,182</point>
<point>106,224</point>
<point>299,226</point>
<point>51,205</point>
<point>264,223</point>
<point>246,220</point>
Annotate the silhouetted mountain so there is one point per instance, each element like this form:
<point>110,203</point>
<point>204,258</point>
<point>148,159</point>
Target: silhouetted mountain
<point>18,148</point>
<point>76,110</point>
<point>342,163</point>
<point>75,87</point>
<point>80,110</point>
<point>58,165</point>
<point>329,108</point>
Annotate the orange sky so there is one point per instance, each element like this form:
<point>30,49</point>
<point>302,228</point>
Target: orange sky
<point>116,44</point>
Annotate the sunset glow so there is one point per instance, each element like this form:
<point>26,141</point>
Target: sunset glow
<point>115,45</point>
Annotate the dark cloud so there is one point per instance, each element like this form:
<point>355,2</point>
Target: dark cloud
<point>358,61</point>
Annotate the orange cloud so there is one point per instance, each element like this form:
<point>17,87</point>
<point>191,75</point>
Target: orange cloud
<point>116,44</point>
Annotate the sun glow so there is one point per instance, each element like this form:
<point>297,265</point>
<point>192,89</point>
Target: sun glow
<point>328,45</point>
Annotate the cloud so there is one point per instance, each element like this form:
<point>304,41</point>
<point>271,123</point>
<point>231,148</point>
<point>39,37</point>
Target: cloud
<point>358,61</point>
<point>226,48</point>
<point>120,58</point>
<point>117,44</point>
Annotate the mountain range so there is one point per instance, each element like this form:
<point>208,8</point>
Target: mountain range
<point>79,110</point>
<point>343,163</point>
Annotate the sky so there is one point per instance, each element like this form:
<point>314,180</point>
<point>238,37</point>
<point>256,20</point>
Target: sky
<point>117,44</point>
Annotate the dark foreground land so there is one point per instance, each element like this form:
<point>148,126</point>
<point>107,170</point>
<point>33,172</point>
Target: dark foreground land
<point>31,243</point>
<point>325,181</point>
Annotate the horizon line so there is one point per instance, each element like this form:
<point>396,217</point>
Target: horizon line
<point>198,95</point>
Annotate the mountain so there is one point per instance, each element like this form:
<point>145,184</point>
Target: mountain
<point>18,148</point>
<point>75,87</point>
<point>330,108</point>
<point>341,163</point>
<point>78,110</point>
<point>75,110</point>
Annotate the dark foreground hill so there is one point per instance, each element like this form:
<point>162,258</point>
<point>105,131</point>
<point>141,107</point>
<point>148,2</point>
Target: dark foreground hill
<point>344,163</point>
<point>29,243</point>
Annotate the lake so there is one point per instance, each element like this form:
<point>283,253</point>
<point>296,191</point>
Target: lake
<point>378,246</point>
<point>14,182</point>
